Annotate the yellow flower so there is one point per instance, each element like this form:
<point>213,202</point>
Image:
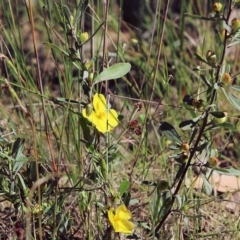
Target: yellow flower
<point>119,219</point>
<point>103,118</point>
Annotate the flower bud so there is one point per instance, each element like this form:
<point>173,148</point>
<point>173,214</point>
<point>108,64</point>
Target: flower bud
<point>87,65</point>
<point>211,58</point>
<point>90,78</point>
<point>84,37</point>
<point>226,79</point>
<point>162,185</point>
<point>221,120</point>
<point>213,161</point>
<point>89,109</point>
<point>185,147</point>
<point>168,142</point>
<point>223,34</point>
<point>185,208</point>
<point>235,24</point>
<point>217,7</point>
<point>134,41</point>
<point>198,104</point>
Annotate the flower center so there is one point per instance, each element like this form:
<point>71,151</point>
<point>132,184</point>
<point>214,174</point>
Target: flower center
<point>101,115</point>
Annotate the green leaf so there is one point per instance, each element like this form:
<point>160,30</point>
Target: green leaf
<point>57,13</point>
<point>229,171</point>
<point>203,18</point>
<point>120,117</point>
<point>226,125</point>
<point>169,131</point>
<point>172,147</point>
<point>218,114</point>
<point>17,145</point>
<point>167,200</point>
<point>190,110</point>
<point>54,47</point>
<point>204,79</point>
<point>235,40</point>
<point>144,225</point>
<point>20,158</point>
<point>200,147</point>
<point>235,87</point>
<point>179,201</point>
<point>232,99</point>
<point>113,72</point>
<point>200,58</point>
<point>124,186</point>
<point>78,15</point>
<point>86,130</point>
<point>179,173</point>
<point>66,100</point>
<point>189,124</point>
<point>67,14</point>
<point>194,133</point>
<point>207,185</point>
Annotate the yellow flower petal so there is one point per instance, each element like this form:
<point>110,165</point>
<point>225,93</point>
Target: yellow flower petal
<point>112,118</point>
<point>92,117</point>
<point>123,213</point>
<point>111,215</point>
<point>101,126</point>
<point>124,227</point>
<point>99,103</point>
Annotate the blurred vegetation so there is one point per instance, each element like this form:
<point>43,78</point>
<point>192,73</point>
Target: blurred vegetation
<point>111,112</point>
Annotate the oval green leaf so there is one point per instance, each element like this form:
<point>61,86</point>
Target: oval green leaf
<point>124,187</point>
<point>169,131</point>
<point>113,72</point>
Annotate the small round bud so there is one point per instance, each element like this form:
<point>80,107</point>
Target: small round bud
<point>213,161</point>
<point>217,7</point>
<point>185,147</point>
<point>87,65</point>
<point>185,207</point>
<point>221,120</point>
<point>168,142</point>
<point>198,104</point>
<point>84,37</point>
<point>226,79</point>
<point>134,41</point>
<point>211,58</point>
<point>162,185</point>
<point>90,78</point>
<point>235,24</point>
<point>89,109</point>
